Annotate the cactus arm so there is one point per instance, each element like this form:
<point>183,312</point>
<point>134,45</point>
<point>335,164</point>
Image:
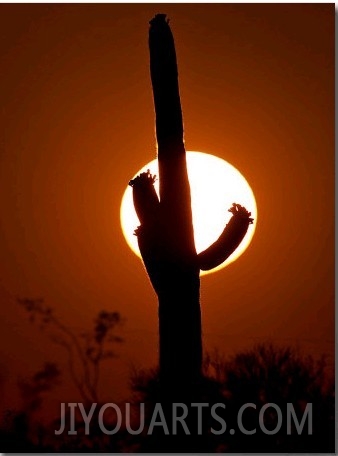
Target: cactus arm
<point>145,198</point>
<point>228,241</point>
<point>148,241</point>
<point>147,207</point>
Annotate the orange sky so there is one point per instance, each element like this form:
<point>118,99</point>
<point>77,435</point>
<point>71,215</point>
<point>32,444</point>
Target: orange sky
<point>257,89</point>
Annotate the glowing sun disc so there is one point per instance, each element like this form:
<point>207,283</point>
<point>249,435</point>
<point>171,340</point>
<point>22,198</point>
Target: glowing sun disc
<point>215,185</point>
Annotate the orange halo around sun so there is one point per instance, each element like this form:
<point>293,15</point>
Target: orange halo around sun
<point>215,185</point>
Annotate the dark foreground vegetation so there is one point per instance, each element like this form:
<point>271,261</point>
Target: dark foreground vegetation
<point>263,374</point>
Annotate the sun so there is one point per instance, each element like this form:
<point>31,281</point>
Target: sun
<point>215,185</point>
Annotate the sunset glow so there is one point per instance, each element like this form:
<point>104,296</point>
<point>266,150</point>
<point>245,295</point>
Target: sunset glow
<point>215,185</point>
<point>256,86</point>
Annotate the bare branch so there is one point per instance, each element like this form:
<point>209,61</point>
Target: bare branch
<point>87,348</point>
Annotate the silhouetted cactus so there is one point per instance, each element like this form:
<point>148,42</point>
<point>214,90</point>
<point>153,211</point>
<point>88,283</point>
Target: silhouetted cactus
<point>166,235</point>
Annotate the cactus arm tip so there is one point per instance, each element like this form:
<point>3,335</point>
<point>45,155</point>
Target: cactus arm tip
<point>145,198</point>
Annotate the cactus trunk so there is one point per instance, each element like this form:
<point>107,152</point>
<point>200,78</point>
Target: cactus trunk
<point>178,293</point>
<point>166,235</point>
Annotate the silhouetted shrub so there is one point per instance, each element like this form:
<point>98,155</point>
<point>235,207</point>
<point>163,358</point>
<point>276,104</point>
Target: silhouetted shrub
<point>265,374</point>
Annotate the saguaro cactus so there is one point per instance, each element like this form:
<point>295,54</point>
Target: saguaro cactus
<point>166,235</point>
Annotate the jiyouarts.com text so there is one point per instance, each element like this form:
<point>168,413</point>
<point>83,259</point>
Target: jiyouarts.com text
<point>72,412</point>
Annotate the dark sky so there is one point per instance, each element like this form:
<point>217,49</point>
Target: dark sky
<point>257,89</point>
